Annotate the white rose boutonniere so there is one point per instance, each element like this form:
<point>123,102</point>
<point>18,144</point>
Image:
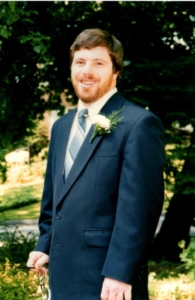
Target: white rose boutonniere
<point>104,124</point>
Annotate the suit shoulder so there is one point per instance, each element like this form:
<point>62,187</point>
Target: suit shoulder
<point>135,110</point>
<point>65,118</point>
<point>135,115</point>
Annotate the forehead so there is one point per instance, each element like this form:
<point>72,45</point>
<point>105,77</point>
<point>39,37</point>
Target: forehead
<point>93,54</point>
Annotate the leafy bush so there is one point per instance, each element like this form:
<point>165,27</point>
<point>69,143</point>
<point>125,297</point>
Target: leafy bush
<point>39,137</point>
<point>15,246</point>
<point>16,283</point>
<point>188,257</point>
<point>165,269</point>
<point>3,167</point>
<point>169,281</point>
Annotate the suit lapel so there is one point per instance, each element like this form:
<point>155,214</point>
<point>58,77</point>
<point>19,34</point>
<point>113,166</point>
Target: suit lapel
<point>61,148</point>
<point>81,160</point>
<point>87,148</point>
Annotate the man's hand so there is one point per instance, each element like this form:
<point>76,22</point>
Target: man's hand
<point>37,259</point>
<point>115,290</point>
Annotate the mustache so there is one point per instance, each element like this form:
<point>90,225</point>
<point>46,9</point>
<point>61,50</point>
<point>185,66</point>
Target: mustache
<point>89,77</point>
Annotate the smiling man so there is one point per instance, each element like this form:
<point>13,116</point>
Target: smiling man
<point>102,197</point>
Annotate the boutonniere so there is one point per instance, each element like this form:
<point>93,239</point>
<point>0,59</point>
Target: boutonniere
<point>104,124</point>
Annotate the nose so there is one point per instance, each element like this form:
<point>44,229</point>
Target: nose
<point>87,69</point>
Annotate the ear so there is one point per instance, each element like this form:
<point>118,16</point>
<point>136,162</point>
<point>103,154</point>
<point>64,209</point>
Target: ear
<point>115,75</point>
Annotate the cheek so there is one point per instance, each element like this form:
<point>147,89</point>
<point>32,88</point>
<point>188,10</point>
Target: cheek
<point>102,75</point>
<point>74,73</point>
<point>106,77</point>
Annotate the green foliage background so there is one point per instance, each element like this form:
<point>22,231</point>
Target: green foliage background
<point>158,73</point>
<point>35,38</point>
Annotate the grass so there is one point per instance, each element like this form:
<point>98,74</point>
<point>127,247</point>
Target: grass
<point>18,197</point>
<point>20,201</point>
<point>24,213</point>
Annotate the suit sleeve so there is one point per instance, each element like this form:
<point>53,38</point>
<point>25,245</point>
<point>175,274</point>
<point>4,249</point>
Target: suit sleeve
<point>45,219</point>
<point>140,199</point>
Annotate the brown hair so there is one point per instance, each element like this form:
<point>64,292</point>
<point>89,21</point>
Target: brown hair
<point>91,38</point>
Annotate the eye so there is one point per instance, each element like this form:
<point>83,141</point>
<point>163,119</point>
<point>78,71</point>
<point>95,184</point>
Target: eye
<point>79,62</point>
<point>99,63</point>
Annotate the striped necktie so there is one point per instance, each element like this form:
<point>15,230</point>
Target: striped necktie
<point>77,140</point>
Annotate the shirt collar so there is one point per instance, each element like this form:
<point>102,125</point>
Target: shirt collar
<point>95,107</point>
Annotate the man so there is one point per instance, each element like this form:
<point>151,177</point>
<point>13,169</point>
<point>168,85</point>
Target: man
<point>101,203</point>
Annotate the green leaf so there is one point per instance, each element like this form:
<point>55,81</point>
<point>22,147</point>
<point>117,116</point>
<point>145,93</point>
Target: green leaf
<point>5,32</point>
<point>12,5</point>
<point>24,39</point>
<point>37,49</point>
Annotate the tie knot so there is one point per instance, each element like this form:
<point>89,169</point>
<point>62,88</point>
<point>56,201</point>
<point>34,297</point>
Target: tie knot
<point>81,118</point>
<point>83,113</point>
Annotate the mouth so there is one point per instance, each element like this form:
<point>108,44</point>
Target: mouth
<point>87,83</point>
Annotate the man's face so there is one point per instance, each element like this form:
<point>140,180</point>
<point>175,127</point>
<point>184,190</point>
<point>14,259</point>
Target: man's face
<point>92,73</point>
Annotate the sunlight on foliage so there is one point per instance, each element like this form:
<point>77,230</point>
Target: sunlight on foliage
<point>23,173</point>
<point>171,288</point>
<point>188,257</point>
<point>16,283</point>
<point>17,197</point>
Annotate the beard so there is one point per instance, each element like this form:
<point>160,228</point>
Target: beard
<point>88,95</point>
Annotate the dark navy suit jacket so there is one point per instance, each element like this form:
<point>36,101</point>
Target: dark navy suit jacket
<point>101,221</point>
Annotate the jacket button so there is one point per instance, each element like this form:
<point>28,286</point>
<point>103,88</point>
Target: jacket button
<point>59,215</point>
